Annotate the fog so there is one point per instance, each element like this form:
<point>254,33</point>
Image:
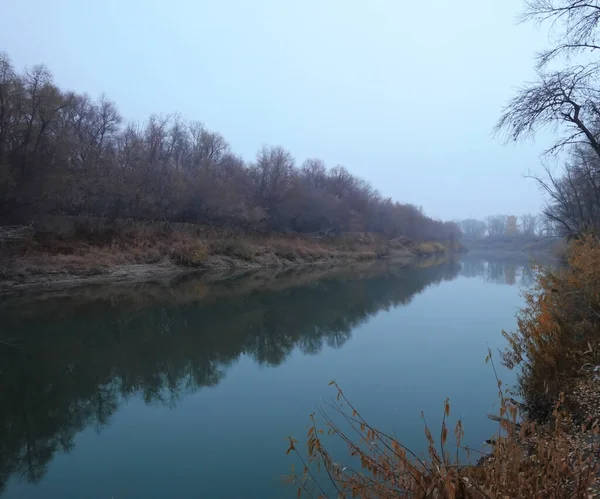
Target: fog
<point>402,94</point>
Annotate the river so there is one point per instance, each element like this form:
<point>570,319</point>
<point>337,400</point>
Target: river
<point>190,389</point>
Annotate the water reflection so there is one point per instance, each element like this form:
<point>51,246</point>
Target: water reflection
<point>512,270</point>
<point>68,361</point>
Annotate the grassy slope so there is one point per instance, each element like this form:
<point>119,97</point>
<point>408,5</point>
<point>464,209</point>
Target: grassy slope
<point>142,253</point>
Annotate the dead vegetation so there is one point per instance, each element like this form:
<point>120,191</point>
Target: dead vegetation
<point>525,461</point>
<point>557,335</point>
<point>87,250</point>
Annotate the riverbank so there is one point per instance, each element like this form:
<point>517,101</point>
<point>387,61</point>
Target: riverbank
<point>184,289</point>
<point>48,260</point>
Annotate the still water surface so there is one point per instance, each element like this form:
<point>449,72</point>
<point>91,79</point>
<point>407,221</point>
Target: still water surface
<point>191,390</point>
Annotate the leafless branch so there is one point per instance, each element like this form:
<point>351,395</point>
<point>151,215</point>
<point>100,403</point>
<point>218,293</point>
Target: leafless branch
<point>573,23</point>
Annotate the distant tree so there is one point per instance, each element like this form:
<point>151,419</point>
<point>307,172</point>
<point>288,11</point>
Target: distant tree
<point>496,225</point>
<point>529,224</point>
<point>473,228</point>
<point>512,228</point>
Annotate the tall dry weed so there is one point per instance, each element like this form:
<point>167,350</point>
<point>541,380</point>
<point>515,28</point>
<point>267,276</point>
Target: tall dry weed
<point>559,328</point>
<point>525,461</point>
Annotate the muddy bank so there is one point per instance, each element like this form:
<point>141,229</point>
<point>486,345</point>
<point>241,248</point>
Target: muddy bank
<point>32,274</point>
<point>190,287</point>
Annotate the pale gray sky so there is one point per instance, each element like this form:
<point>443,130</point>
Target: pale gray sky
<point>404,94</point>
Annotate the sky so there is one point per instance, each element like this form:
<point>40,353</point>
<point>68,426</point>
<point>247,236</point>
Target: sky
<point>403,94</point>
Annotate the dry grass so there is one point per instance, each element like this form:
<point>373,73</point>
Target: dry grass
<point>233,247</point>
<point>560,249</point>
<point>90,251</point>
<point>430,248</point>
<point>559,329</point>
<point>298,249</point>
<point>189,253</point>
<point>295,248</point>
<point>352,246</point>
<point>97,252</point>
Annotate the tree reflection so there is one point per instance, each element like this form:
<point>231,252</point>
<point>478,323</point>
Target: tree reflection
<point>512,270</point>
<point>78,359</point>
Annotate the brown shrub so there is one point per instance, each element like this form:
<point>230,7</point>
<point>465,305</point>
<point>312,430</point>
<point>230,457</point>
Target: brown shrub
<point>150,255</point>
<point>366,255</point>
<point>109,247</point>
<point>294,248</point>
<point>560,249</point>
<point>233,247</point>
<point>189,253</point>
<point>430,248</point>
<point>558,330</point>
<point>382,251</point>
<point>526,461</point>
<point>88,263</point>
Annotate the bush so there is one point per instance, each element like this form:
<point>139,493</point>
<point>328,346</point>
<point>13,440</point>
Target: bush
<point>430,248</point>
<point>558,330</point>
<point>235,247</point>
<point>189,253</point>
<point>294,249</point>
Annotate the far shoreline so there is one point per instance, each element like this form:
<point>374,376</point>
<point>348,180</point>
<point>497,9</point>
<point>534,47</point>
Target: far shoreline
<point>50,261</point>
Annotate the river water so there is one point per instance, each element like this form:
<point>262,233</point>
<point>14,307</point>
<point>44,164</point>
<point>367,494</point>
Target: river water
<point>190,390</point>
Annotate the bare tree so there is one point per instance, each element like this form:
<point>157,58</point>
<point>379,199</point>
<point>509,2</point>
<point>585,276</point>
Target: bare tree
<point>496,225</point>
<point>574,24</point>
<point>565,101</point>
<point>574,196</point>
<point>473,228</point>
<point>314,172</point>
<point>529,224</point>
<point>64,153</point>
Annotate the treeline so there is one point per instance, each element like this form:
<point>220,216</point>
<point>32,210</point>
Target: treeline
<point>509,226</point>
<point>63,153</point>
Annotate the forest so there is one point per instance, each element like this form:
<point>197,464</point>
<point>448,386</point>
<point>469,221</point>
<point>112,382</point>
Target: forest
<point>499,226</point>
<point>66,154</point>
